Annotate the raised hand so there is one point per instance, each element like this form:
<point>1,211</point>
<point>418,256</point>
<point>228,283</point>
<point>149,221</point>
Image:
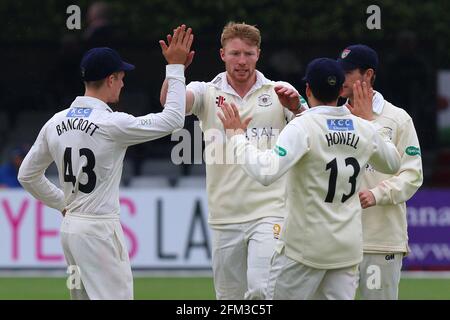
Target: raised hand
<point>177,50</point>
<point>362,101</point>
<point>231,120</point>
<point>190,55</point>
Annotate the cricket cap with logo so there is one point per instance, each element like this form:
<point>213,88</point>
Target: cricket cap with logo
<point>99,63</point>
<point>358,56</point>
<point>324,75</point>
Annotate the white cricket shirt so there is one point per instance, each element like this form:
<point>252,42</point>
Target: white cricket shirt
<point>326,149</point>
<point>233,197</point>
<point>88,142</point>
<point>385,224</point>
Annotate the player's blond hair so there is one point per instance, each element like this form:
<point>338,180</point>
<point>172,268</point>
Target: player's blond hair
<point>243,31</point>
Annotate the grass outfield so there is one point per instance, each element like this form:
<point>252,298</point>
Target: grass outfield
<point>187,288</point>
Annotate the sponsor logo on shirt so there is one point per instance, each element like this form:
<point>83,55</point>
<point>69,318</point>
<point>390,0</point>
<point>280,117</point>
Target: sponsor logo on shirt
<point>79,112</point>
<point>265,132</point>
<point>276,231</point>
<point>280,151</point>
<point>220,100</point>
<point>412,151</point>
<point>388,131</point>
<point>340,124</point>
<point>145,122</point>
<point>264,100</point>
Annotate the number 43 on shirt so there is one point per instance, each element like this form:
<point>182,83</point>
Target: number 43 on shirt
<point>88,169</point>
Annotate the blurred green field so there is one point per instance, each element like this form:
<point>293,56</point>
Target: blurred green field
<point>186,288</point>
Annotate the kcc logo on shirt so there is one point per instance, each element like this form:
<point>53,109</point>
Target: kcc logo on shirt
<point>340,124</point>
<point>79,112</point>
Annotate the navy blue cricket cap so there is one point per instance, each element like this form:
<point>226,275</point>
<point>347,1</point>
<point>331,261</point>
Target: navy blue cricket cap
<point>358,56</point>
<point>98,63</point>
<point>324,75</point>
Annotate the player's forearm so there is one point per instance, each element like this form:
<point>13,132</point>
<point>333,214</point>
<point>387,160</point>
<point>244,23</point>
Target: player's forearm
<point>399,188</point>
<point>163,97</point>
<point>402,186</point>
<point>42,189</point>
<point>129,130</point>
<point>268,166</point>
<point>262,166</point>
<point>172,117</point>
<point>163,94</point>
<point>386,158</point>
<point>390,163</point>
<point>31,175</point>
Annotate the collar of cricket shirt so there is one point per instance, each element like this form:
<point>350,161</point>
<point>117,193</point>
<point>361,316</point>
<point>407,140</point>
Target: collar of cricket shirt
<point>329,110</point>
<point>89,102</point>
<point>221,83</point>
<point>377,102</point>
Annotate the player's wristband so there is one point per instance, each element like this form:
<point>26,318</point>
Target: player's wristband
<point>302,104</point>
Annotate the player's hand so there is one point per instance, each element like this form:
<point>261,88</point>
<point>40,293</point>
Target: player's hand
<point>362,101</point>
<point>190,56</point>
<point>179,48</point>
<point>367,199</point>
<point>64,212</point>
<point>289,98</point>
<point>231,120</point>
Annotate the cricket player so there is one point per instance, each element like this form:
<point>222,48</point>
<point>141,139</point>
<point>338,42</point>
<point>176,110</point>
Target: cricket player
<point>245,216</point>
<point>383,196</point>
<point>323,150</point>
<point>88,142</point>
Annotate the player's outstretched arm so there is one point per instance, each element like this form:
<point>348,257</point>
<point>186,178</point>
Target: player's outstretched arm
<point>264,166</point>
<point>189,97</point>
<point>176,53</point>
<point>165,85</point>
<point>129,130</point>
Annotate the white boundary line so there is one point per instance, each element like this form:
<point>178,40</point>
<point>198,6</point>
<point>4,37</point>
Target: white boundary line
<point>426,274</point>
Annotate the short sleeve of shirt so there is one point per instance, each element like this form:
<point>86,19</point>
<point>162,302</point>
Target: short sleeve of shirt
<point>198,89</point>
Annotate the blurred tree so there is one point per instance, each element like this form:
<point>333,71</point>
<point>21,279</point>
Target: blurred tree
<point>283,20</point>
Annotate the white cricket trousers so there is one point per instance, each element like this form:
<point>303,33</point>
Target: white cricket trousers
<point>241,255</point>
<point>379,276</point>
<point>96,246</point>
<point>292,280</point>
